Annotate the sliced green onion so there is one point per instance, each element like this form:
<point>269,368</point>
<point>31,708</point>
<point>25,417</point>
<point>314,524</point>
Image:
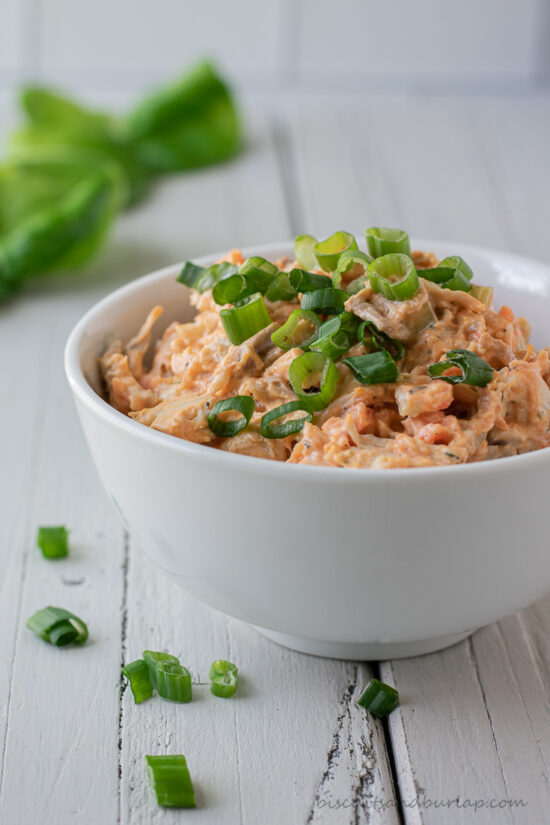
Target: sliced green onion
<point>168,676</point>
<point>230,289</point>
<point>381,240</point>
<point>485,294</point>
<point>474,370</point>
<point>352,263</point>
<point>295,333</point>
<point>58,627</point>
<point>53,541</point>
<point>190,274</point>
<point>379,698</point>
<point>313,377</point>
<point>325,301</point>
<point>224,678</point>
<point>244,321</point>
<point>303,281</point>
<point>303,251</point>
<point>215,273</point>
<point>374,368</point>
<point>335,335</point>
<point>357,285</point>
<point>447,278</point>
<point>227,429</point>
<point>294,425</point>
<point>259,274</point>
<point>170,781</point>
<point>458,263</point>
<point>256,262</point>
<point>369,335</point>
<point>137,674</point>
<point>328,251</point>
<point>281,289</point>
<point>394,276</point>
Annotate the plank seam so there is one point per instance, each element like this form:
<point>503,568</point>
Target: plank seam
<point>123,684</point>
<point>392,761</point>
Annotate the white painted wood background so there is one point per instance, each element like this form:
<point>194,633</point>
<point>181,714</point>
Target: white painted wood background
<point>292,748</point>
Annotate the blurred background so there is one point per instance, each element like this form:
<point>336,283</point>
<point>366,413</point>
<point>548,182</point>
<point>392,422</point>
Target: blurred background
<point>474,46</point>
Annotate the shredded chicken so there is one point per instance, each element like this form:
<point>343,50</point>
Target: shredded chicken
<point>416,421</point>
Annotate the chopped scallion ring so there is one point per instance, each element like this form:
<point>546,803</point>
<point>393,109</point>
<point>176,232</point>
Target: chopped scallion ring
<point>379,698</point>
<point>447,277</point>
<point>243,404</point>
<point>170,781</point>
<point>313,377</point>
<point>328,251</point>
<point>58,627</point>
<point>245,320</point>
<point>381,240</point>
<point>53,541</point>
<point>294,425</point>
<point>214,274</point>
<point>224,678</point>
<point>335,335</point>
<point>296,331</point>
<point>229,289</point>
<point>352,264</point>
<point>303,251</point>
<point>168,676</point>
<point>190,274</point>
<point>375,368</point>
<point>303,281</point>
<point>325,301</point>
<point>394,276</point>
<point>369,335</point>
<point>137,674</point>
<point>281,289</point>
<point>473,370</point>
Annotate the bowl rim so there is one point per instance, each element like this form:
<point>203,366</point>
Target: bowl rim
<point>302,472</point>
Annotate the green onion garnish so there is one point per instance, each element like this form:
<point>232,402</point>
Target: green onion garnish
<point>373,338</point>
<point>190,274</point>
<point>227,429</point>
<point>137,674</point>
<point>394,276</point>
<point>303,281</point>
<point>325,301</point>
<point>229,289</point>
<point>374,368</point>
<point>58,627</point>
<point>53,541</point>
<point>215,273</point>
<point>473,369</point>
<point>170,781</point>
<point>245,320</point>
<point>251,265</point>
<point>485,294</point>
<point>328,251</point>
<point>281,289</point>
<point>451,273</point>
<point>303,251</point>
<point>313,377</point>
<point>357,284</point>
<point>296,331</point>
<point>381,240</point>
<point>354,264</point>
<point>223,677</point>
<point>294,425</point>
<point>168,676</point>
<point>379,698</point>
<point>459,264</point>
<point>335,335</point>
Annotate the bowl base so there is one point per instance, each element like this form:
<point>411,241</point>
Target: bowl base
<point>368,651</point>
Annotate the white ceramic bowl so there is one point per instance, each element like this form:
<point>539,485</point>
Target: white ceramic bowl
<point>364,564</point>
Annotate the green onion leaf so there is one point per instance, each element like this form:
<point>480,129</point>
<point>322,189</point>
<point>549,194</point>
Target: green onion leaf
<point>227,429</point>
<point>328,251</point>
<point>335,335</point>
<point>281,289</point>
<point>58,627</point>
<point>229,289</point>
<point>215,273</point>
<point>451,273</point>
<point>473,369</point>
<point>458,263</point>
<point>325,301</point>
<point>296,331</point>
<point>381,240</point>
<point>293,425</point>
<point>394,276</point>
<point>243,321</point>
<point>137,674</point>
<point>168,676</point>
<point>303,281</point>
<point>375,368</point>
<point>257,262</point>
<point>190,274</point>
<point>313,377</point>
<point>353,264</point>
<point>369,335</point>
<point>224,678</point>
<point>53,541</point>
<point>170,781</point>
<point>379,698</point>
<point>259,274</point>
<point>303,251</point>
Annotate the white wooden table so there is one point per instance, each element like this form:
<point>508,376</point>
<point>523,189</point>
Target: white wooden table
<point>473,729</point>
